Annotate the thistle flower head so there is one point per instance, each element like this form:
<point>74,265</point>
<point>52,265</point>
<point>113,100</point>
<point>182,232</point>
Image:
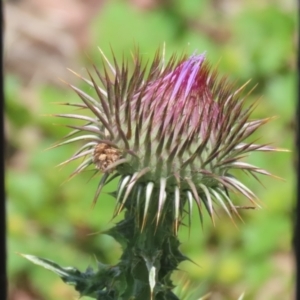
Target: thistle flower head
<point>173,133</point>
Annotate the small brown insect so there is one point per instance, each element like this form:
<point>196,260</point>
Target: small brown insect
<point>104,155</point>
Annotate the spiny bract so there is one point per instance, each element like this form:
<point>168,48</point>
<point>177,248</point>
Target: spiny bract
<point>172,132</point>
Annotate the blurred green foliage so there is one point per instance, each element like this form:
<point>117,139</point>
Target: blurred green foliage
<point>51,218</point>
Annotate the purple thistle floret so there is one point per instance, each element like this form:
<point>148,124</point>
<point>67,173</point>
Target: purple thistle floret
<point>173,133</point>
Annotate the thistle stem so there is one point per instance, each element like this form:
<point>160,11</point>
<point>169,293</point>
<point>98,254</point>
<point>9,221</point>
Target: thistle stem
<point>150,255</point>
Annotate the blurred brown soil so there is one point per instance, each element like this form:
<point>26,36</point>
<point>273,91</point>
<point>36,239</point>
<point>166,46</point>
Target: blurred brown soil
<point>44,37</point>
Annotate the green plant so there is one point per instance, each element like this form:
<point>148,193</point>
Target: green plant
<point>173,134</point>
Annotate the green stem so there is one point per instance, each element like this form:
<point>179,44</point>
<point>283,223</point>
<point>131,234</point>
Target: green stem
<point>150,255</point>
